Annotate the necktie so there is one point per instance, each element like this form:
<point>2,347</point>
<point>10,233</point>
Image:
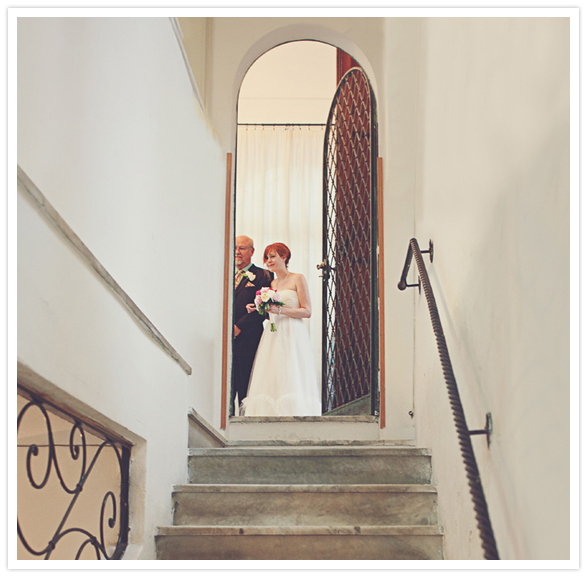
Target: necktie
<point>237,277</point>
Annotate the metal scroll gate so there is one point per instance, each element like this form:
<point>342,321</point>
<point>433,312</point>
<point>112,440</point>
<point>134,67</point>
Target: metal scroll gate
<point>349,268</point>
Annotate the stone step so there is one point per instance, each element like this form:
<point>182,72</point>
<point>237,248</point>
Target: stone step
<point>318,443</point>
<point>309,465</point>
<point>299,543</point>
<point>303,428</point>
<point>305,505</point>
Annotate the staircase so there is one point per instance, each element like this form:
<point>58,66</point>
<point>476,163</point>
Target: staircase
<point>311,502</point>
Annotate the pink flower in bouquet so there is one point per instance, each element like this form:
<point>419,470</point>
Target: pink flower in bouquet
<point>264,298</point>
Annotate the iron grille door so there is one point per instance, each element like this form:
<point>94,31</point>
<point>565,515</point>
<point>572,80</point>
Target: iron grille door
<point>350,300</point>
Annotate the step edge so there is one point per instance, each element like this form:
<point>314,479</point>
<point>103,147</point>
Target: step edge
<point>301,488</point>
<point>319,443</point>
<point>370,530</point>
<point>292,450</point>
<point>323,420</point>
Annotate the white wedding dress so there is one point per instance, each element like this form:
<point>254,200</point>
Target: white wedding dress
<point>284,381</point>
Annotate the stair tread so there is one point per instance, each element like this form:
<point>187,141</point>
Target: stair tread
<point>291,450</point>
<point>405,530</point>
<point>319,443</point>
<point>360,418</point>
<point>344,488</point>
<point>303,499</point>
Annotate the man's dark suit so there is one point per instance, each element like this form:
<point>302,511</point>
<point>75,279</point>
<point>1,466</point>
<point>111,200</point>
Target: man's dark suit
<point>245,345</point>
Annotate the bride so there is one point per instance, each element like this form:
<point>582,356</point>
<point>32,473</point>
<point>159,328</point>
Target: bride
<point>283,380</point>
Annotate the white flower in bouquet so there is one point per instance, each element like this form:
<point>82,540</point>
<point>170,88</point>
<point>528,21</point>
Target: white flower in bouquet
<point>264,298</point>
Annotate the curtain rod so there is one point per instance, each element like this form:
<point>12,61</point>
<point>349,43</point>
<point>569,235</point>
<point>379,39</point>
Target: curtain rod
<point>288,124</point>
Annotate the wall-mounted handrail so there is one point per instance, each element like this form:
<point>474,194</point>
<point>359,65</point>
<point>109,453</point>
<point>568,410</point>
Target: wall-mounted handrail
<point>475,487</point>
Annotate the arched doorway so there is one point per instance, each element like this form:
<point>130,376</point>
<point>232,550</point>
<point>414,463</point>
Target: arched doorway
<point>287,177</point>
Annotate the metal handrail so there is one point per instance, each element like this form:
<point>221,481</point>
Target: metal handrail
<point>475,487</point>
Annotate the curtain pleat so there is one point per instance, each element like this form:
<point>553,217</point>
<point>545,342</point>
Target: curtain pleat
<point>279,199</point>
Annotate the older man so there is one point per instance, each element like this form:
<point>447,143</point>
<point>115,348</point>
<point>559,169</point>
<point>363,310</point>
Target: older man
<point>247,327</point>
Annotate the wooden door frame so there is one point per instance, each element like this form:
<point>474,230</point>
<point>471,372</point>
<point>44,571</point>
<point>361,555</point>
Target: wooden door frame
<point>226,333</point>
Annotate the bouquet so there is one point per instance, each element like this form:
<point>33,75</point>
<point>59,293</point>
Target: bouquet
<point>264,298</point>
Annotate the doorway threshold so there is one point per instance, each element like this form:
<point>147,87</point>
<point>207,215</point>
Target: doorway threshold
<point>341,418</point>
<point>306,431</point>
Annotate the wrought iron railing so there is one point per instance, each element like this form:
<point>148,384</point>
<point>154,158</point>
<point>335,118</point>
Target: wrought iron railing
<point>53,485</point>
<point>475,487</point>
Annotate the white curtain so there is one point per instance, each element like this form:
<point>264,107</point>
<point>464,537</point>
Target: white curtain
<point>279,199</point>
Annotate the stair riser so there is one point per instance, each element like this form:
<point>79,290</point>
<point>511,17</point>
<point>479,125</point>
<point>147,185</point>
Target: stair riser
<point>310,509</point>
<point>309,469</point>
<point>311,547</point>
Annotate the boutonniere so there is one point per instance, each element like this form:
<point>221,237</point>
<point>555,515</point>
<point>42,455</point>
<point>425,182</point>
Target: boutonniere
<point>248,276</point>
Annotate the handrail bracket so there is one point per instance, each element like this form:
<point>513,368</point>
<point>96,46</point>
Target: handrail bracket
<point>419,285</point>
<point>430,250</point>
<point>488,430</point>
<point>402,283</point>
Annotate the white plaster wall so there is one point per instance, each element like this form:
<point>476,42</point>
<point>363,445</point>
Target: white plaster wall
<point>400,127</point>
<point>389,62</point>
<point>110,131</point>
<point>494,197</point>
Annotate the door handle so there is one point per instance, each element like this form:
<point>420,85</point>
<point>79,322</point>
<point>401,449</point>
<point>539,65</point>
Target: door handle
<point>326,269</point>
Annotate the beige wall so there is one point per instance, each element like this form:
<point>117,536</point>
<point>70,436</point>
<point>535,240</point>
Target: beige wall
<point>110,131</point>
<point>493,194</point>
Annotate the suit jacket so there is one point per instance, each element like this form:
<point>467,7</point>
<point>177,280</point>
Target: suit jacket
<point>251,325</point>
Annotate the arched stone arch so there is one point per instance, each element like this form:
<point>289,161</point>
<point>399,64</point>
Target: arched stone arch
<point>292,33</point>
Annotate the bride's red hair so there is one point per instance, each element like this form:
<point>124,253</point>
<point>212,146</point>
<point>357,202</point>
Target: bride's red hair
<point>280,249</point>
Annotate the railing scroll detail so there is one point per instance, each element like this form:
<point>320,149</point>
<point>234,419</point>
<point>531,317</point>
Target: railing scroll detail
<point>106,529</point>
